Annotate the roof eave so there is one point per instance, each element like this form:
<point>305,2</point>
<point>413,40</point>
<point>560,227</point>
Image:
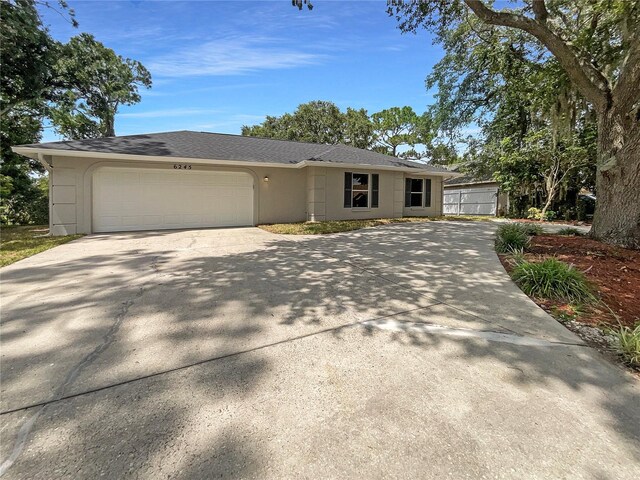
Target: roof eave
<point>38,153</point>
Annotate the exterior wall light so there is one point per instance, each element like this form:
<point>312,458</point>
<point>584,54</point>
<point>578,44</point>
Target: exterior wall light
<point>266,178</point>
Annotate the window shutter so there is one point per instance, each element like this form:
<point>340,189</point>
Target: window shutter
<point>347,189</point>
<point>427,192</point>
<point>407,192</point>
<point>375,181</point>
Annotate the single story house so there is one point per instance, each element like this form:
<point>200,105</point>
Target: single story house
<point>468,195</point>
<point>187,179</point>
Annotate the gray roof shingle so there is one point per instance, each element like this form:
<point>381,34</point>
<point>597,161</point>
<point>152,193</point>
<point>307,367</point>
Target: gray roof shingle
<point>469,179</point>
<point>217,146</point>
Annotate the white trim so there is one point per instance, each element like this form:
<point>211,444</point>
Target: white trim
<point>369,186</point>
<point>34,152</point>
<point>455,186</point>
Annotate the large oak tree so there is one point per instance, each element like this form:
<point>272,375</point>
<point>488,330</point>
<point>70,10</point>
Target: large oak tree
<point>597,44</point>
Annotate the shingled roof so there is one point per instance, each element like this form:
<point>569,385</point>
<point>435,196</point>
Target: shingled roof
<point>217,146</point>
<point>469,180</point>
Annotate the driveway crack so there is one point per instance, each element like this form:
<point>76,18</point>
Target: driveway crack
<point>107,340</point>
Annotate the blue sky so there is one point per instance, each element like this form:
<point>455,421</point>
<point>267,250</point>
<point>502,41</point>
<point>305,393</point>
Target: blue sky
<point>217,65</point>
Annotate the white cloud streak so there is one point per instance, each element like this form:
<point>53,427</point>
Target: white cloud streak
<point>231,56</point>
<point>170,112</point>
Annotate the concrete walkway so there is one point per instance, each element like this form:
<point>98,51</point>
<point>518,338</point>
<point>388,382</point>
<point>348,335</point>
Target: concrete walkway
<point>401,351</point>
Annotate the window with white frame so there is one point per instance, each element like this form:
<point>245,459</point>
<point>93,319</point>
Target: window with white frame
<point>417,192</point>
<point>361,190</point>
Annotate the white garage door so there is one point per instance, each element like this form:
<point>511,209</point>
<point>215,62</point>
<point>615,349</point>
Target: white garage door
<point>471,201</point>
<point>126,199</point>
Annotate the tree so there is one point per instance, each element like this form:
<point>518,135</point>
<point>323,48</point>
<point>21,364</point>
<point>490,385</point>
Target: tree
<point>358,129</point>
<point>596,44</point>
<point>27,55</point>
<point>99,81</point>
<point>79,90</point>
<point>400,126</point>
<point>319,122</point>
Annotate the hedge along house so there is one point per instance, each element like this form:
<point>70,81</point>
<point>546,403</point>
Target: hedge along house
<point>185,179</point>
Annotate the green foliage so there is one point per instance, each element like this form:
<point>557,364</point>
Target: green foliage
<point>530,229</point>
<point>388,131</point>
<point>335,226</point>
<point>534,213</point>
<point>398,126</point>
<point>570,231</point>
<point>318,122</point>
<point>77,86</point>
<point>628,344</point>
<point>27,55</point>
<point>358,129</point>
<point>537,214</point>
<point>538,132</point>
<point>22,242</point>
<point>99,81</point>
<point>554,280</point>
<point>511,237</point>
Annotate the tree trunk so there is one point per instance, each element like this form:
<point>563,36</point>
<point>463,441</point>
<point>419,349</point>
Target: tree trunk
<point>617,215</point>
<point>109,125</point>
<point>550,197</point>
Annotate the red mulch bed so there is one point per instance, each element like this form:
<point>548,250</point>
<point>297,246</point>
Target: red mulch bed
<point>613,271</point>
<point>558,222</point>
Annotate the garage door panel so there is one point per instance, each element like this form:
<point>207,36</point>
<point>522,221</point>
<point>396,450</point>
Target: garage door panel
<point>139,199</point>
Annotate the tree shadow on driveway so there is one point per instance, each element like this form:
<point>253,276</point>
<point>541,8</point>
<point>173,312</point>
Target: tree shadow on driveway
<point>188,300</point>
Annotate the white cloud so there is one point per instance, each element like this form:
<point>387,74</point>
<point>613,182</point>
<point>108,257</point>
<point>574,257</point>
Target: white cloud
<point>170,112</point>
<point>231,56</point>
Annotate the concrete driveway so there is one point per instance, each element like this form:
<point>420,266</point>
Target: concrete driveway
<point>400,351</point>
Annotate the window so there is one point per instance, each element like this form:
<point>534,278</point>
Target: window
<point>414,192</point>
<point>361,190</point>
<point>417,192</point>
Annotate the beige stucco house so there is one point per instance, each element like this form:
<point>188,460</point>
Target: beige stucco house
<point>187,179</point>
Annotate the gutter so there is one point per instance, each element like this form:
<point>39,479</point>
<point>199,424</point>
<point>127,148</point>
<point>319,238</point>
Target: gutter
<point>39,154</point>
<point>41,158</point>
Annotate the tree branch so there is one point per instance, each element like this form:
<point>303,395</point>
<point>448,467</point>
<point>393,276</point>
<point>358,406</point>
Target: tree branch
<point>540,10</point>
<point>626,91</point>
<point>590,81</point>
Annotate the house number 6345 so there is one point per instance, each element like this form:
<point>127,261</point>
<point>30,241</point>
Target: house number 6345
<point>181,166</point>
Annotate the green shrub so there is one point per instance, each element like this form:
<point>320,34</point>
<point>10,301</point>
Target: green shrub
<point>511,237</point>
<point>531,229</point>
<point>570,231</point>
<point>536,214</point>
<point>552,279</point>
<point>628,344</point>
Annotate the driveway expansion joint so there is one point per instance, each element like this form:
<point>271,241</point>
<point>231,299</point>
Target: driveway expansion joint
<point>377,322</point>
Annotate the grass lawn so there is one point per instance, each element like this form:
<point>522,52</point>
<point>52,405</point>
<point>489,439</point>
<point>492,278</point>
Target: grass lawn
<point>21,242</point>
<point>335,226</point>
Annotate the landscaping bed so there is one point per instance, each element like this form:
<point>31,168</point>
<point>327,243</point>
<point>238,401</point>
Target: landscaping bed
<point>556,222</point>
<point>613,271</point>
<point>336,226</point>
<point>612,275</point>
<point>18,242</point>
